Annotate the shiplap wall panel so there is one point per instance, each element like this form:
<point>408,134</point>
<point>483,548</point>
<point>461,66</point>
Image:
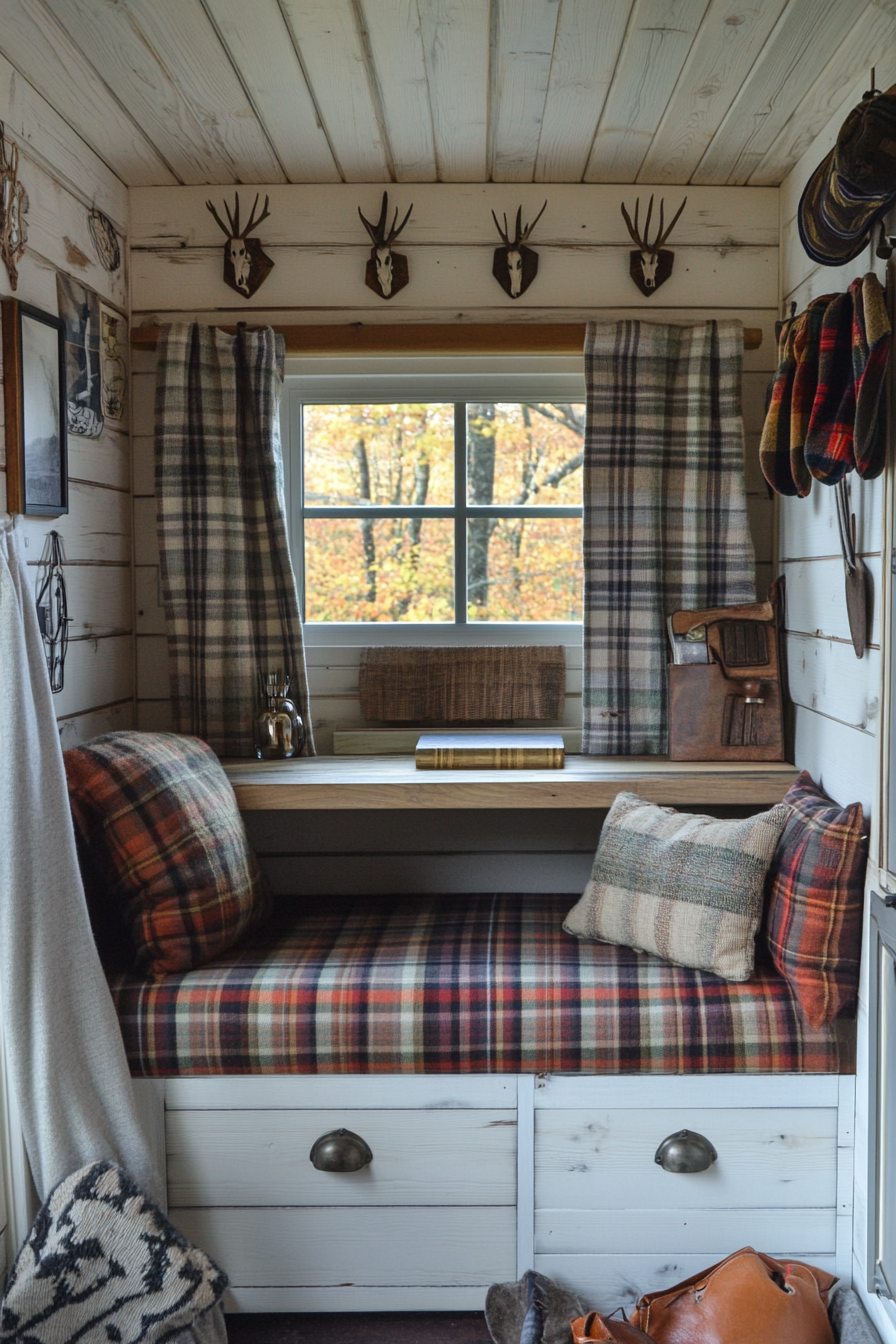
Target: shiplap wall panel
<point>50,141</point>
<point>178,83</point>
<point>809,526</point>
<point>824,675</point>
<point>396,46</point>
<point>521,68</point>
<point>656,47</point>
<point>329,42</point>
<point>456,37</point>
<point>258,43</point>
<point>459,215</point>
<point>62,177</point>
<point>639,1231</point>
<point>867,44</point>
<point>447,279</point>
<point>816,599</point>
<point>727,45</point>
<point>805,35</point>
<point>586,48</point>
<point>38,45</point>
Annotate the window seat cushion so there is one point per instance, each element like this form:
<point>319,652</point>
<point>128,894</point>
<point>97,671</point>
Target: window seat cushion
<point>459,984</point>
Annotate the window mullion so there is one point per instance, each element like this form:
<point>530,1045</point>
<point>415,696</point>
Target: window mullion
<point>460,515</point>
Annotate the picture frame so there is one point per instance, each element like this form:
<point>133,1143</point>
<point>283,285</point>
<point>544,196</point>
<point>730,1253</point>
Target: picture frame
<point>35,407</point>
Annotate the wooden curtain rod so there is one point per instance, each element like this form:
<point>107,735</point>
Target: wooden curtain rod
<point>435,338</point>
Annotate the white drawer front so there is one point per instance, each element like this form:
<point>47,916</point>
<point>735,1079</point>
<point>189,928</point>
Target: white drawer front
<point>604,1159</point>
<point>419,1157</point>
<point>710,1232</point>
<point>610,1281</point>
<point>445,1247</point>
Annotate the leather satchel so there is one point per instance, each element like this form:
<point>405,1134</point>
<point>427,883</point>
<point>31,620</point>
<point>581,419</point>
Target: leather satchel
<point>595,1326</point>
<point>726,694</point>
<point>743,1299</point>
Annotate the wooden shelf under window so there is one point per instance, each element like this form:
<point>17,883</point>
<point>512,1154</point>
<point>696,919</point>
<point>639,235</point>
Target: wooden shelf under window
<point>354,782</point>
<point>429,338</point>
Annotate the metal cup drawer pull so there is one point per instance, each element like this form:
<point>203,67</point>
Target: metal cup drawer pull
<point>685,1152</point>
<point>341,1150</point>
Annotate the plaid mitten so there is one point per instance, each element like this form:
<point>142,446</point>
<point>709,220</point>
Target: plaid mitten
<point>805,385</point>
<point>774,446</point>
<point>871,338</point>
<point>829,442</point>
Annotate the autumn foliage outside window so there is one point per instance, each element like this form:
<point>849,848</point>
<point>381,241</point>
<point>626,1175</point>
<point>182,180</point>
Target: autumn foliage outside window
<point>442,512</point>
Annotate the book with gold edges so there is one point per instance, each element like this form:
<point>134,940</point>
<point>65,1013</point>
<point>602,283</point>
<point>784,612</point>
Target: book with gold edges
<point>490,751</point>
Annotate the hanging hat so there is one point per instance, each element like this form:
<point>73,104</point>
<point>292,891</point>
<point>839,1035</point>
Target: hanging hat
<point>829,442</point>
<point>774,446</point>
<point>806,349</point>
<point>871,337</point>
<point>854,185</point>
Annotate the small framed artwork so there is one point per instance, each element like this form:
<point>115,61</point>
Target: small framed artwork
<point>34,400</point>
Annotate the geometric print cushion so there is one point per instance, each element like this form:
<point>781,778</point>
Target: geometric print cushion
<point>163,848</point>
<point>686,888</point>
<point>816,898</point>
<point>103,1264</point>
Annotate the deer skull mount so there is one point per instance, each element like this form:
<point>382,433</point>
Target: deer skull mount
<point>387,271</point>
<point>246,267</point>
<point>515,266</point>
<point>651,265</point>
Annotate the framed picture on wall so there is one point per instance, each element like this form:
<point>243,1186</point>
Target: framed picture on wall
<point>34,400</point>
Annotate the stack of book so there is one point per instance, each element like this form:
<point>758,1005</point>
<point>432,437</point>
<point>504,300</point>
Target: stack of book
<point>490,751</point>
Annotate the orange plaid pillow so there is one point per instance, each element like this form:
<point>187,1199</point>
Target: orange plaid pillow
<point>164,847</point>
<point>816,892</point>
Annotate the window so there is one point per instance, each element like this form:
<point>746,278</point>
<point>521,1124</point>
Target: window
<point>438,494</point>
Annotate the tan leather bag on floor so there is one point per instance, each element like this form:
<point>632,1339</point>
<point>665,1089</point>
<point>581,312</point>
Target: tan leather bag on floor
<point>595,1326</point>
<point>744,1299</point>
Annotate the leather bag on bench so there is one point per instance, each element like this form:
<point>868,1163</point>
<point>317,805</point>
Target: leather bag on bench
<point>729,707</point>
<point>744,1299</point>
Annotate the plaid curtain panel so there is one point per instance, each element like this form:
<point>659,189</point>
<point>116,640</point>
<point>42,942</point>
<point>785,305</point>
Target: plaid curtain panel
<point>463,984</point>
<point>230,597</point>
<point>665,522</point>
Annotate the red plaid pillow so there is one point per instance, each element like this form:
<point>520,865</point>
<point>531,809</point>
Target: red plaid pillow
<point>160,833</point>
<point>816,894</point>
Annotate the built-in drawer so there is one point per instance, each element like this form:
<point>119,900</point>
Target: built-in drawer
<point>767,1158</point>
<point>309,1248</point>
<point>262,1157</point>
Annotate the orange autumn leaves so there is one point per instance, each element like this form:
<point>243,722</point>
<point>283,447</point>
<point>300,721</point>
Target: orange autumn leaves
<point>402,568</point>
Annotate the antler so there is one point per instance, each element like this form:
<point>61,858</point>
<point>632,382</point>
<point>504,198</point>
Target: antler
<point>521,234</point>
<point>661,236</point>
<point>253,222</point>
<point>231,231</point>
<point>529,227</point>
<point>378,235</point>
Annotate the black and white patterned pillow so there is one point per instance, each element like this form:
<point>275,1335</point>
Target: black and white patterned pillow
<point>103,1265</point>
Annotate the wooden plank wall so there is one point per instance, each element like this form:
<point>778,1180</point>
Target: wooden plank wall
<point>64,178</point>
<point>726,265</point>
<point>838,698</point>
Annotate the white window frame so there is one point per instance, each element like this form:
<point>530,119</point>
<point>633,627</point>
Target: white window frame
<point>455,380</point>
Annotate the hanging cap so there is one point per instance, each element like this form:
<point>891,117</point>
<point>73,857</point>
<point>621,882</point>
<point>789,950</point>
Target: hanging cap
<point>854,185</point>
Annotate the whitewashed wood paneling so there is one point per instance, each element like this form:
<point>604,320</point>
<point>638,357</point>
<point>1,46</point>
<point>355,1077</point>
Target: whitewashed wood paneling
<point>82,727</point>
<point>809,526</point>
<point>586,48</point>
<point>816,597</point>
<point>458,215</point>
<point>521,69</point>
<point>656,46</point>
<point>241,1158</point>
<point>342,1091</point>
<point>96,528</point>
<point>806,36</point>
<point>712,1232</point>
<point>825,675</point>
<point>322,1247</point>
<point>98,672</point>
<point>396,48</point>
<point>604,1159</point>
<point>456,40</point>
<point>840,759</point>
<point>727,45</point>
<point>99,599</point>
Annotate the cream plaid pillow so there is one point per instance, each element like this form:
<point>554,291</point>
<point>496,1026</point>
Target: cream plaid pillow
<point>684,887</point>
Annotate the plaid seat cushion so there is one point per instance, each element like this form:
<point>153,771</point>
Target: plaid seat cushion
<point>163,848</point>
<point>463,984</point>
<point>816,897</point>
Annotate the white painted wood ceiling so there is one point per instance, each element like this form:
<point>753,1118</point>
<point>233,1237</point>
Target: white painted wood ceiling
<point>265,91</point>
